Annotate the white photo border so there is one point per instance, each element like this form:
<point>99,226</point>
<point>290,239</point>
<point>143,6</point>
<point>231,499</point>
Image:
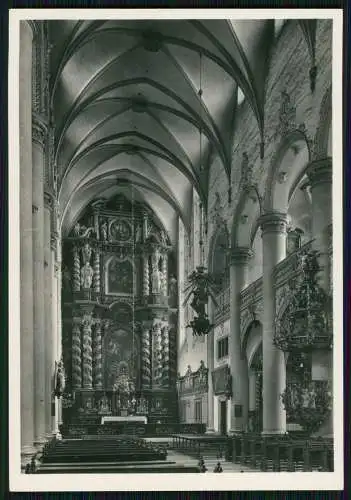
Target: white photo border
<point>172,482</point>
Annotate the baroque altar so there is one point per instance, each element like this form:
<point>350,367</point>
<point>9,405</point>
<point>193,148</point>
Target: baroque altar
<point>119,296</point>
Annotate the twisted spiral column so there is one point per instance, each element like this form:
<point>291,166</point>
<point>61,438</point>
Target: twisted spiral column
<point>172,355</point>
<point>165,359</point>
<point>165,274</point>
<point>146,276</point>
<point>87,352</point>
<point>76,355</point>
<point>145,357</point>
<point>97,356</point>
<point>97,271</point>
<point>158,334</point>
<point>76,270</point>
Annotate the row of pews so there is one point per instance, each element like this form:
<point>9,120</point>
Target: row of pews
<point>283,453</point>
<point>123,454</point>
<point>269,453</point>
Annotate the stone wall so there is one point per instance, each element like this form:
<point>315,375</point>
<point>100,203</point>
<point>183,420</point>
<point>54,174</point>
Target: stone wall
<point>288,72</point>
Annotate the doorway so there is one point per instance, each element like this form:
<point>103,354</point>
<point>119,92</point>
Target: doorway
<point>223,417</point>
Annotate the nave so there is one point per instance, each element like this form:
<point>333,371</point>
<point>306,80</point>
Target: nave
<point>176,246</point>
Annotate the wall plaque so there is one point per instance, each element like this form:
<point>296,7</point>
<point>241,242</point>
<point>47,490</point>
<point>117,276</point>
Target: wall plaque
<point>221,380</point>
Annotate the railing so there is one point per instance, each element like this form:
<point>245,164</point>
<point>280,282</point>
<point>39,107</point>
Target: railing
<point>251,293</point>
<point>289,268</point>
<point>131,429</point>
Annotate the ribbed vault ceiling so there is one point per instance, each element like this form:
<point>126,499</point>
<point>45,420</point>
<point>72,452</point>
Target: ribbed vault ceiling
<point>131,100</point>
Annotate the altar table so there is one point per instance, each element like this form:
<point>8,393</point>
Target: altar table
<point>130,418</point>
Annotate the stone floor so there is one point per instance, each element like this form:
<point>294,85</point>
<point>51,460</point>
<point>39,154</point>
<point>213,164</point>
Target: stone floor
<point>210,461</point>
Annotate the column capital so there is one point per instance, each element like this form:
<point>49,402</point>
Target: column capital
<point>33,26</point>
<point>320,171</point>
<point>273,222</point>
<point>77,320</point>
<point>48,199</point>
<point>240,256</point>
<point>39,130</point>
<point>98,322</point>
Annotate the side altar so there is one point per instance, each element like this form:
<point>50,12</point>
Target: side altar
<point>120,315</point>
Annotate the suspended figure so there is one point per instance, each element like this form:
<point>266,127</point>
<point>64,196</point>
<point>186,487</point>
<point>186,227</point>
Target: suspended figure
<point>201,287</point>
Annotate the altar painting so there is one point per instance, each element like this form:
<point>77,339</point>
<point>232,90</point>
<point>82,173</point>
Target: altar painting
<point>120,359</point>
<point>120,277</point>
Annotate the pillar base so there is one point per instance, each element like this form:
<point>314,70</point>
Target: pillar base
<point>273,433</point>
<point>235,432</point>
<point>210,430</point>
<point>27,453</point>
<point>39,443</point>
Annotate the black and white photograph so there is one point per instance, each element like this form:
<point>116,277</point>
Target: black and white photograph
<point>175,189</point>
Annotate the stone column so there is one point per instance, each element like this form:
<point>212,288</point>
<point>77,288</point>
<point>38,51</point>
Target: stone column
<point>165,355</point>
<point>26,242</point>
<point>97,355</point>
<point>273,225</point>
<point>252,390</point>
<point>238,365</point>
<point>319,173</point>
<point>172,335</point>
<point>76,354</point>
<point>76,269</point>
<point>49,361</point>
<point>146,275</point>
<point>38,162</point>
<point>210,364</point>
<point>156,340</point>
<point>54,316</point>
<point>165,274</point>
<point>145,356</point>
<point>96,286</point>
<point>59,317</point>
<point>87,351</point>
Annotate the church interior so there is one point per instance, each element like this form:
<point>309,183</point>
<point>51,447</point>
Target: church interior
<point>176,245</point>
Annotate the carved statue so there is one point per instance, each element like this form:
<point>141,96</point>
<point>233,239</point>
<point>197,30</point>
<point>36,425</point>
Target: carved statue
<point>86,276</point>
<point>60,381</point>
<point>155,277</point>
<point>76,229</point>
<point>305,398</point>
<point>173,290</point>
<point>103,231</point>
<point>86,253</point>
<point>104,405</point>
